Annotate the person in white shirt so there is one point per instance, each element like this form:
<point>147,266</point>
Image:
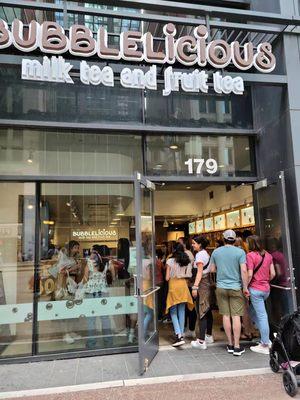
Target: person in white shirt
<point>201,290</point>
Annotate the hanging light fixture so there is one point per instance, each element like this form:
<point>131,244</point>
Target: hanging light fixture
<point>120,210</point>
<point>165,224</point>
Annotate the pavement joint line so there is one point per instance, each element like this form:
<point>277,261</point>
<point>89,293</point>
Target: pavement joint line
<point>134,382</point>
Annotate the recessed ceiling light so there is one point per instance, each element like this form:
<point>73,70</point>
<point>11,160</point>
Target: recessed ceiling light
<point>221,166</point>
<point>116,219</point>
<point>174,147</point>
<point>247,148</point>
<point>30,206</point>
<point>188,187</point>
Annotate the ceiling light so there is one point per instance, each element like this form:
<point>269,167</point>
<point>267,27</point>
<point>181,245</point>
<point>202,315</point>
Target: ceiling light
<point>30,206</point>
<point>221,166</point>
<point>165,224</point>
<point>173,147</point>
<point>45,222</point>
<point>188,187</point>
<point>120,209</point>
<point>68,204</point>
<point>247,148</point>
<point>116,219</point>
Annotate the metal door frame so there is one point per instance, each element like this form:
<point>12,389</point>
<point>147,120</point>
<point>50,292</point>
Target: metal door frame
<point>279,181</point>
<point>147,349</point>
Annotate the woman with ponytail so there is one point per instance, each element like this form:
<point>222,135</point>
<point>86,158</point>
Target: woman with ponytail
<point>179,269</point>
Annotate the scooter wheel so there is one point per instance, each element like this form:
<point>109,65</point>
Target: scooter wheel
<point>290,383</point>
<point>274,364</point>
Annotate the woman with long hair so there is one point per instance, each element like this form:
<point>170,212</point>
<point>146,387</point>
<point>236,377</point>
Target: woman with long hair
<point>201,291</point>
<point>179,268</point>
<point>260,272</point>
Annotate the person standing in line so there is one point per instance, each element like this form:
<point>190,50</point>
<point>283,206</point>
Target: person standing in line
<point>201,291</point>
<point>247,325</point>
<point>178,270</point>
<point>260,272</point>
<point>190,316</point>
<point>229,262</point>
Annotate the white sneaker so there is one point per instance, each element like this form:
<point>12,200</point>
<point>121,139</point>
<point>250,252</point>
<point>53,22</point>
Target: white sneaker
<point>209,339</point>
<point>198,345</point>
<point>131,338</point>
<point>260,349</point>
<point>68,338</point>
<point>190,334</point>
<point>75,336</point>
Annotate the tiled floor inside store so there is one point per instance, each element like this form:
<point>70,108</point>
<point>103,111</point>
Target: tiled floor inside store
<point>168,361</point>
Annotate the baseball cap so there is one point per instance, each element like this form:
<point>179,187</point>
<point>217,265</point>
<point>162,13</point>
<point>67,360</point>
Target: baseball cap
<point>229,234</point>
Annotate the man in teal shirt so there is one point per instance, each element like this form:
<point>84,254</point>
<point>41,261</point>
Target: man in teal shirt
<point>230,264</point>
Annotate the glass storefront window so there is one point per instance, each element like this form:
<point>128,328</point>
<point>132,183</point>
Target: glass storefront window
<point>177,155</point>
<point>17,243</point>
<point>34,152</point>
<point>42,101</point>
<point>86,269</point>
<point>199,110</point>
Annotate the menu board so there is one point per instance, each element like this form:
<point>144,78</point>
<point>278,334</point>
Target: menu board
<point>233,219</point>
<point>220,222</point>
<point>192,228</point>
<point>209,224</point>
<point>200,226</point>
<point>248,216</point>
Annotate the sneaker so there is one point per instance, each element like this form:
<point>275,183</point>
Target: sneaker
<point>260,349</point>
<point>238,351</point>
<point>230,349</point>
<point>196,344</point>
<point>190,334</point>
<point>131,338</point>
<point>68,338</point>
<point>209,339</point>
<point>179,341</point>
<point>75,336</point>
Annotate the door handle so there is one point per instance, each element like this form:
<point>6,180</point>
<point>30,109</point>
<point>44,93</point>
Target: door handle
<point>281,287</point>
<point>156,289</point>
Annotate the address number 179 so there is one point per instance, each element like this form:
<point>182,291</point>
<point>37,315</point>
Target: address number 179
<point>197,165</point>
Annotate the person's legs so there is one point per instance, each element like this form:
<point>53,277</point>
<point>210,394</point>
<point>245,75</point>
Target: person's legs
<point>236,305</point>
<point>258,302</point>
<point>224,309</point>
<point>237,327</point>
<point>228,328</point>
<point>174,317</point>
<point>203,327</point>
<point>181,316</point>
<point>210,321</point>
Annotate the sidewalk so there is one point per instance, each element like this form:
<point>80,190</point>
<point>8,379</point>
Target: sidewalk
<point>168,362</point>
<point>261,387</point>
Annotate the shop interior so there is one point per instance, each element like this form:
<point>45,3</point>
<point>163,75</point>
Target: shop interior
<point>101,214</point>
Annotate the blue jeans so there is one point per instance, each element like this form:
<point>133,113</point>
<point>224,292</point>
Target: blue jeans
<point>259,314</point>
<point>177,313</point>
<point>91,325</point>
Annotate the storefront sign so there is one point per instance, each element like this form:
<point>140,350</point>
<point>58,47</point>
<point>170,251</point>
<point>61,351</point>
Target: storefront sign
<point>97,234</point>
<point>195,165</point>
<point>189,50</point>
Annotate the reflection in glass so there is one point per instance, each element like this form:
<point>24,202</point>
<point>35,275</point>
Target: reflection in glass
<point>280,300</point>
<point>199,110</point>
<point>35,152</point>
<point>148,267</point>
<point>17,231</point>
<point>86,269</point>
<point>168,155</point>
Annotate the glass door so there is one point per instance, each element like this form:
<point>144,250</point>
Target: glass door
<point>145,289</point>
<point>272,219</point>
